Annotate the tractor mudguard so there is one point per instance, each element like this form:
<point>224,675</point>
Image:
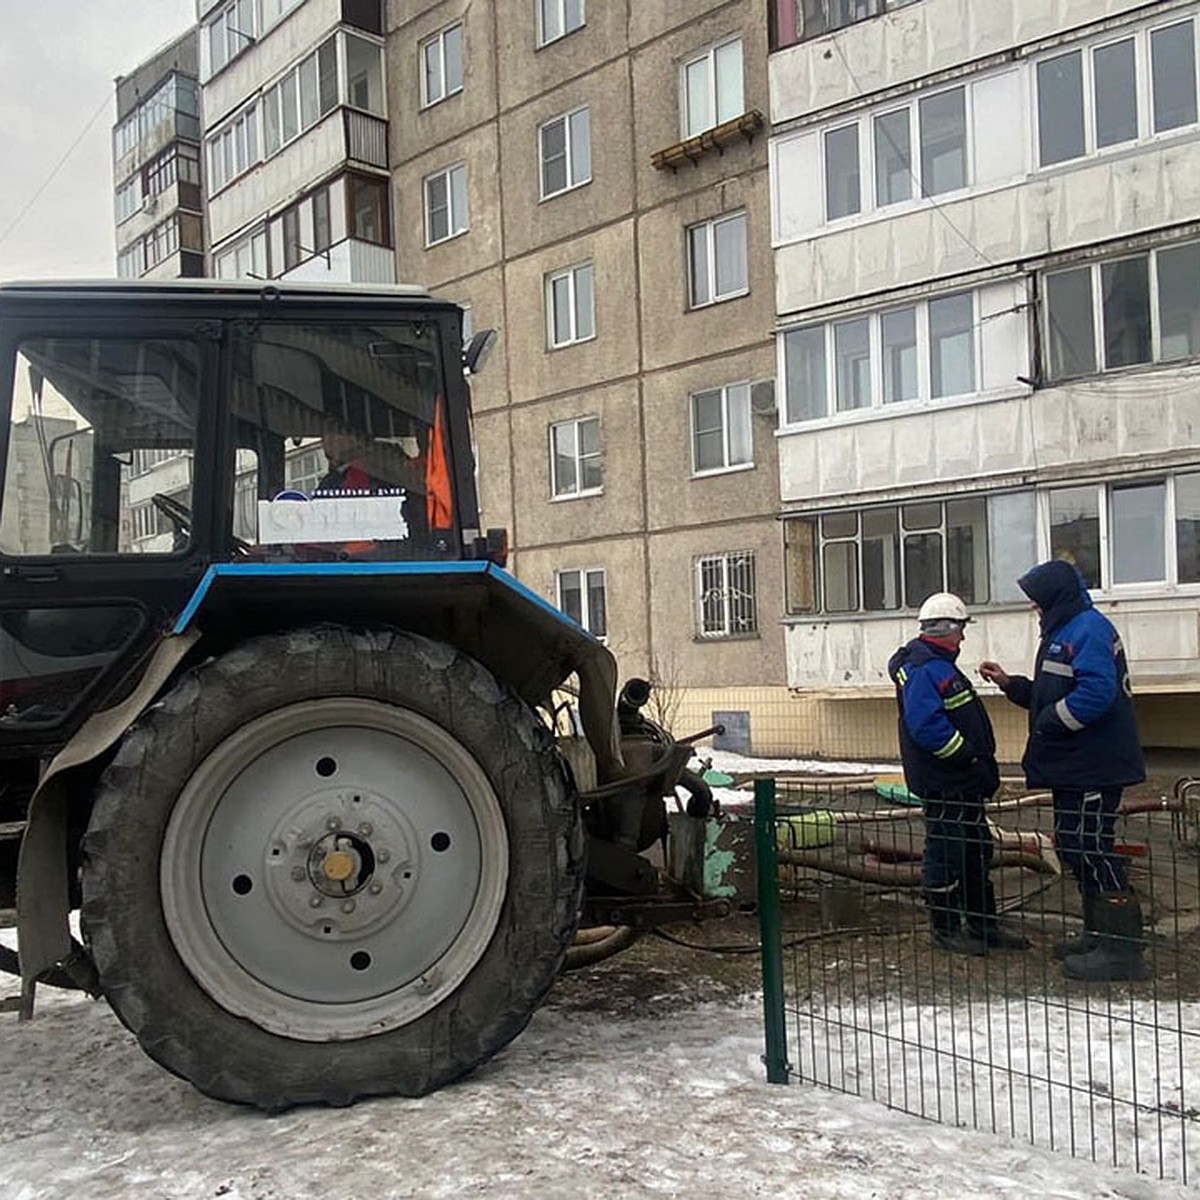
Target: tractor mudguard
<point>43,890</point>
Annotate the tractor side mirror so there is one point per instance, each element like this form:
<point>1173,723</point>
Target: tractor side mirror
<point>476,351</point>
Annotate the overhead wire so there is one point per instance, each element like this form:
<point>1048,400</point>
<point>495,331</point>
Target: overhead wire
<point>58,166</point>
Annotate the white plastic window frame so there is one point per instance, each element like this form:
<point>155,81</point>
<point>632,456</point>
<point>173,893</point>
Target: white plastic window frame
<point>878,404</point>
<point>1143,90</point>
<point>437,44</point>
<point>562,15</point>
<point>572,167</point>
<point>688,126</point>
<point>454,229</point>
<point>587,617</point>
<point>558,492</point>
<point>570,276</point>
<point>708,229</point>
<point>728,417</point>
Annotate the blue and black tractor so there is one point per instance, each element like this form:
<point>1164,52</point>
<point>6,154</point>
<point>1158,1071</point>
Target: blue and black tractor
<point>275,721</point>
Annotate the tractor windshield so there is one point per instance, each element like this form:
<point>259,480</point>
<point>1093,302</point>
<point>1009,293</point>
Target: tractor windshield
<point>337,431</point>
<point>340,442</point>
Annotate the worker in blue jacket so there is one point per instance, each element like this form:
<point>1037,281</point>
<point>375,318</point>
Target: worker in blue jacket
<point>949,755</point>
<point>1083,745</point>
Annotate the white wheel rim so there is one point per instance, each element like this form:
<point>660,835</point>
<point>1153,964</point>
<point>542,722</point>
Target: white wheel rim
<point>334,869</point>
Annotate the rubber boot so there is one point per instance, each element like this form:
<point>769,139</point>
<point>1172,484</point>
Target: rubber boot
<point>1117,954</point>
<point>945,924</point>
<point>1085,941</point>
<point>988,928</point>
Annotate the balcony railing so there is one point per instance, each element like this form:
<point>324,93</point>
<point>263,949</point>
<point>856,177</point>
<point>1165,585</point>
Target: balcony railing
<point>366,139</point>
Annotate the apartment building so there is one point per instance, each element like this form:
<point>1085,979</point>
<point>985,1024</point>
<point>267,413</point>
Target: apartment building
<point>157,197</point>
<point>296,139</point>
<point>986,231</point>
<point>591,180</point>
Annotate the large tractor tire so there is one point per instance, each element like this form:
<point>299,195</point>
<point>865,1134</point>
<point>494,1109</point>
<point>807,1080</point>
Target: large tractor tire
<point>330,865</point>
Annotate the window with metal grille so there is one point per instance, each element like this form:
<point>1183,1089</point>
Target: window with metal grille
<point>726,595</point>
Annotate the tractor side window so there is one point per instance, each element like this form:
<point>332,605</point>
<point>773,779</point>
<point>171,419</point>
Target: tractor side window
<point>340,445</point>
<point>100,447</point>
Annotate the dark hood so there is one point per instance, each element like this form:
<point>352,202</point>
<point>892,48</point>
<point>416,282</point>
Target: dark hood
<point>1058,589</point>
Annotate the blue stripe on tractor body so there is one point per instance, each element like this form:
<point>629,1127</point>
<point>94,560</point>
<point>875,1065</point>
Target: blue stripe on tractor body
<point>293,570</point>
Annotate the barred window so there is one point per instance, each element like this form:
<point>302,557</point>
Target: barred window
<point>726,599</point>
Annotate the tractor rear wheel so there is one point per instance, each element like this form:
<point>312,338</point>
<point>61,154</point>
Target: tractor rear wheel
<point>329,865</point>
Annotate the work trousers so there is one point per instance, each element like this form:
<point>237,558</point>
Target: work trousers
<point>958,852</point>
<point>1084,822</point>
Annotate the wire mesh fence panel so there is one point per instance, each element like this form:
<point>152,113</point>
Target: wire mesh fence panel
<point>900,991</point>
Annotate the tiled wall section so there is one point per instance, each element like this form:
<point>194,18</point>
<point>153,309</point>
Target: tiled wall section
<point>786,725</point>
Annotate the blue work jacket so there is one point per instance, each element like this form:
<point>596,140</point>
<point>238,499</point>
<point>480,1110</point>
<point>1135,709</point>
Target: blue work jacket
<point>1082,731</point>
<point>946,740</point>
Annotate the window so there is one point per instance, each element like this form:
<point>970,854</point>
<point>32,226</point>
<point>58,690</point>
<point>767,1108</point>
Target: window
<point>712,88</point>
<point>883,559</point>
<point>368,219</point>
<point>817,17</point>
<point>364,74</point>
<point>293,250</point>
<point>1129,533</point>
<point>917,150</point>
<point>1125,312</point>
<point>725,595</point>
<point>557,18</point>
<point>245,259</point>
<point>920,351</point>
<point>581,595</point>
<point>229,33</point>
<point>179,163</point>
<point>446,204</point>
<point>162,241</point>
<point>131,261</point>
<point>102,405</point>
<point>575,468</point>
<point>566,154</point>
<point>322,230</point>
<point>301,98</point>
<point>570,306</point>
<point>843,183</point>
<point>721,435</point>
<point>128,198</point>
<point>233,150</point>
<point>441,65</point>
<point>1173,71</point>
<point>943,141</point>
<point>717,260</point>
<point>1117,92</point>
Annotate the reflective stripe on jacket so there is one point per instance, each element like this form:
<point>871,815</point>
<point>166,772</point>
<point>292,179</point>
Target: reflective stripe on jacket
<point>946,740</point>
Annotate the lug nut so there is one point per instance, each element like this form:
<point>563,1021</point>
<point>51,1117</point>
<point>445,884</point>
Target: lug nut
<point>348,906</point>
<point>376,888</point>
<point>315,902</point>
<point>383,855</point>
<point>366,829</point>
<point>333,823</point>
<point>298,874</point>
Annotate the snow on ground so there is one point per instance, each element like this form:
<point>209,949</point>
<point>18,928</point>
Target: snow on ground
<point>741,764</point>
<point>578,1106</point>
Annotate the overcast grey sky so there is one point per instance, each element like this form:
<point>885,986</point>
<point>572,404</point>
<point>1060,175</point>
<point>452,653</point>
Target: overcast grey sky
<point>58,62</point>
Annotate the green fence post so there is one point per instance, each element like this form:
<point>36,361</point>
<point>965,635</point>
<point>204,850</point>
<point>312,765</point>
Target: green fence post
<point>770,930</point>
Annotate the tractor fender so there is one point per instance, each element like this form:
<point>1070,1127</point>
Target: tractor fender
<point>43,888</point>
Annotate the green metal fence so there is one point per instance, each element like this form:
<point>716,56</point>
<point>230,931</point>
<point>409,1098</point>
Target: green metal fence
<point>857,998</point>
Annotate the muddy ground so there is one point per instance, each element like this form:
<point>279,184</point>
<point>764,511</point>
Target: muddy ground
<point>846,938</point>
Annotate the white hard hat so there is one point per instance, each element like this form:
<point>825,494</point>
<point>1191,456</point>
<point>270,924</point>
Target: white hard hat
<point>943,606</point>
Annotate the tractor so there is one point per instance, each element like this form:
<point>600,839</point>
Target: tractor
<point>331,791</point>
